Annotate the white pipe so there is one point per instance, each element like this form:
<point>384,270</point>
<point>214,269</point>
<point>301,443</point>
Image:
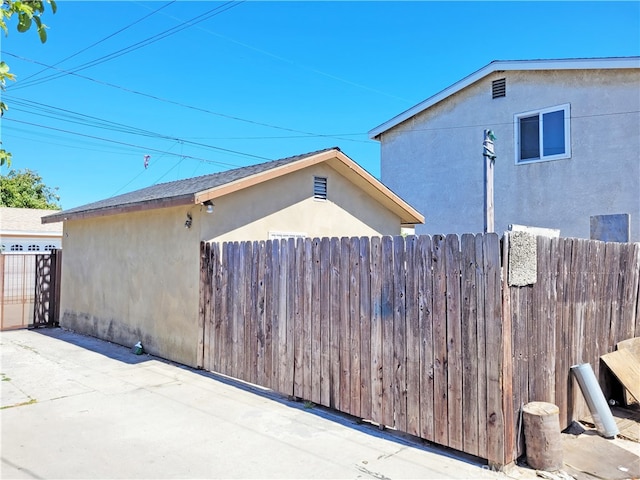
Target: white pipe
<point>602,417</point>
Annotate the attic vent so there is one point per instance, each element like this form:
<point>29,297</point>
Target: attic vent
<point>499,88</point>
<point>320,188</point>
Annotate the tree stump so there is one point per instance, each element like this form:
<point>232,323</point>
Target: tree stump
<point>542,436</point>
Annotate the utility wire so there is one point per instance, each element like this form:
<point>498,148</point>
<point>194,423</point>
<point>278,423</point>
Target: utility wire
<point>100,41</point>
<point>143,43</point>
<point>191,107</point>
<point>226,150</point>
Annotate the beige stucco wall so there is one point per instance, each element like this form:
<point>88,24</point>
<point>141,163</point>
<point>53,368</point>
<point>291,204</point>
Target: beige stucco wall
<point>434,160</point>
<point>134,276</point>
<point>286,204</point>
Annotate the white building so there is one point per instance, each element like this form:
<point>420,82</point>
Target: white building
<point>567,145</point>
<point>22,231</point>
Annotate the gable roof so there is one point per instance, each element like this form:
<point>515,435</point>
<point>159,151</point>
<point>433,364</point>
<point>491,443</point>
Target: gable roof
<point>27,222</point>
<point>198,190</point>
<point>508,65</point>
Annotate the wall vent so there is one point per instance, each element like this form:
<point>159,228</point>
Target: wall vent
<point>320,188</point>
<point>499,88</point>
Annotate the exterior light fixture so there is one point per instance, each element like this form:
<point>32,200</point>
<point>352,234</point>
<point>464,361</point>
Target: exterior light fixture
<point>209,205</point>
<point>188,222</point>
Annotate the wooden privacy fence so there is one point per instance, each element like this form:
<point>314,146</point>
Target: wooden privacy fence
<point>584,301</point>
<point>421,334</point>
<point>406,333</point>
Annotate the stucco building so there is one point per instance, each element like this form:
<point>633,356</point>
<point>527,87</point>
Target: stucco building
<point>567,144</point>
<point>131,263</point>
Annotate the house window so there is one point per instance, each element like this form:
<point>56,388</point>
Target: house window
<point>16,248</point>
<point>320,188</point>
<point>33,248</point>
<point>543,134</point>
<point>499,88</point>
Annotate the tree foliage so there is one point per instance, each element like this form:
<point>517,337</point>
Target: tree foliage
<point>26,189</point>
<point>29,13</point>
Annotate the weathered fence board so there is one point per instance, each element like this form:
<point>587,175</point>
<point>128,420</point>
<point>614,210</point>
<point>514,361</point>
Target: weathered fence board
<point>584,301</point>
<point>420,334</point>
<point>383,328</point>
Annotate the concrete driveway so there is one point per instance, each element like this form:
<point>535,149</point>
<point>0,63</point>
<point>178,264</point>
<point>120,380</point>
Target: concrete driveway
<point>78,407</point>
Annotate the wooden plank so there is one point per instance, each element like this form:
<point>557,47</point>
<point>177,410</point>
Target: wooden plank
<point>635,268</point>
<point>494,345</point>
<point>399,379</point>
<point>271,274</point>
<point>377,389</point>
<point>345,328</point>
<point>354,326</point>
<point>482,349</point>
<point>365,328</point>
<point>387,332</point>
<point>218,313</point>
<point>283,312</point>
<point>592,280</point>
<point>316,325</point>
<point>632,344</point>
<point>203,296</point>
<point>412,311</point>
<point>261,251</point>
<point>545,312</point>
<point>440,402</point>
<point>469,343</point>
<point>227,341</point>
<point>511,413</point>
<point>612,257</point>
<point>307,318</point>
<point>625,365</point>
<point>249,355</point>
<point>425,294</point>
<point>561,367</point>
<point>297,340</point>
<point>336,300</point>
<point>325,322</point>
<point>454,342</point>
<point>578,273</point>
<point>629,315</point>
<point>292,284</point>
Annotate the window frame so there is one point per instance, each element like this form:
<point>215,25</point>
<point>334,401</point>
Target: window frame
<point>566,109</point>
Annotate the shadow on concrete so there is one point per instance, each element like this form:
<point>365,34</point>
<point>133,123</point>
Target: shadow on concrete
<point>102,347</point>
<point>126,355</point>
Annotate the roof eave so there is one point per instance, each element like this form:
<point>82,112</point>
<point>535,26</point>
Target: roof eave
<point>188,199</point>
<point>507,65</point>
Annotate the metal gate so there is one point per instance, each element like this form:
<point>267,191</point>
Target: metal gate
<point>47,289</point>
<point>29,290</point>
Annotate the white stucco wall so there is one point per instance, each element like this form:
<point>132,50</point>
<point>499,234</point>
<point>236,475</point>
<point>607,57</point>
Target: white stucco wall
<point>135,276</point>
<point>434,160</point>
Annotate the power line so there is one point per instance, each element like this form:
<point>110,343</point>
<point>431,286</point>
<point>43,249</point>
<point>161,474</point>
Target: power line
<point>226,150</point>
<point>143,43</point>
<point>102,40</point>
<point>191,107</point>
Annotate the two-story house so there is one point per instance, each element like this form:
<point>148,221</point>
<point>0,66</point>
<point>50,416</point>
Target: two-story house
<point>567,145</point>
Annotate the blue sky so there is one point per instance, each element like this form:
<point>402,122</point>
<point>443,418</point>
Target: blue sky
<point>257,80</point>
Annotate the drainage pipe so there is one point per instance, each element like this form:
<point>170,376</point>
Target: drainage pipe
<point>602,417</point>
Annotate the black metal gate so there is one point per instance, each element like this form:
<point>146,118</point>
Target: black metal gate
<point>46,308</point>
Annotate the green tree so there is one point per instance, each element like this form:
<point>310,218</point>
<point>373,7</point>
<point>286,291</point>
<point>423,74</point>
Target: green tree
<point>25,189</point>
<point>28,13</point>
